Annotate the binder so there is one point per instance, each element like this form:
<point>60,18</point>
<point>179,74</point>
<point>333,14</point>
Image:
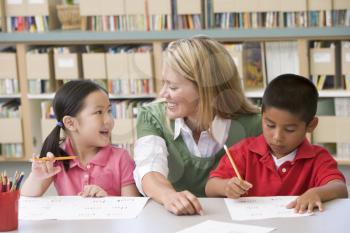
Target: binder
<point>38,66</point>
<point>341,4</point>
<point>67,66</point>
<point>322,61</point>
<point>11,130</point>
<point>94,66</point>
<point>319,5</point>
<point>8,66</point>
<point>345,60</point>
<point>98,8</point>
<point>295,5</point>
<point>117,66</point>
<point>188,7</point>
<point>135,7</point>
<point>140,65</point>
<point>159,7</point>
<point>332,129</point>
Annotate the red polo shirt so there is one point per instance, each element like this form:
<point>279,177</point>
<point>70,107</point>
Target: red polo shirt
<point>312,166</point>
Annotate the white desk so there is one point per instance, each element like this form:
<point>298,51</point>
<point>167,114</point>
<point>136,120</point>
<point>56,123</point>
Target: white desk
<point>155,219</point>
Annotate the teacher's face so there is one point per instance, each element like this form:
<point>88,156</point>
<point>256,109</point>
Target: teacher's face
<point>181,95</point>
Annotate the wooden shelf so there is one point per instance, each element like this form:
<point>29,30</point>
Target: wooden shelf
<point>24,40</point>
<point>12,96</point>
<point>87,37</point>
<point>50,96</point>
<point>334,93</point>
<point>323,94</point>
<point>343,161</point>
<point>6,159</point>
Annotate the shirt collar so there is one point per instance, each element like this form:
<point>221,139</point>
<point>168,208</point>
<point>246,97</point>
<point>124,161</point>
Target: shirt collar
<point>260,147</point>
<point>219,127</point>
<point>100,159</point>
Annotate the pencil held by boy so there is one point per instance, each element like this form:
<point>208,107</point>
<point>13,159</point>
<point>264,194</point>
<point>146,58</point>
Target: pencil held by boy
<point>84,163</point>
<point>281,161</point>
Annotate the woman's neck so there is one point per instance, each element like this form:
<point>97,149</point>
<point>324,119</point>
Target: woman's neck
<point>192,123</point>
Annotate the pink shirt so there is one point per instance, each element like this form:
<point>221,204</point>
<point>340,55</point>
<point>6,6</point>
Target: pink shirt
<point>111,169</point>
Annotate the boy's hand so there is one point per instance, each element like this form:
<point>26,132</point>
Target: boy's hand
<point>44,169</point>
<point>236,187</point>
<point>92,191</point>
<point>306,202</point>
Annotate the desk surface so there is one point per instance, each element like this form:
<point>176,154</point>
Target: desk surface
<point>155,219</point>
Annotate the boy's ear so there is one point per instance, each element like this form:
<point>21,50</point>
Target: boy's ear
<point>69,123</point>
<point>312,125</point>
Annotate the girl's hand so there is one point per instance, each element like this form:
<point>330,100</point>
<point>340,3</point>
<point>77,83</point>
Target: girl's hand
<point>92,191</point>
<point>306,202</point>
<point>44,169</point>
<point>236,188</point>
<point>182,203</point>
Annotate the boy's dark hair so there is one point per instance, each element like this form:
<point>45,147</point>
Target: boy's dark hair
<point>68,101</point>
<point>293,93</point>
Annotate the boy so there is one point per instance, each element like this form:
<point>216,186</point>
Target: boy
<point>281,161</point>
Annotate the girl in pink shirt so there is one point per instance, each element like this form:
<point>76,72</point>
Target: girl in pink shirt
<point>83,112</point>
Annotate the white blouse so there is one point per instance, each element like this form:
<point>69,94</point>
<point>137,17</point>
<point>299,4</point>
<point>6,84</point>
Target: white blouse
<point>150,152</point>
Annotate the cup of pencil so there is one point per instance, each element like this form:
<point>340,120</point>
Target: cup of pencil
<point>9,197</point>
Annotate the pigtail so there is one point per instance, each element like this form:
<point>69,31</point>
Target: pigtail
<point>52,144</point>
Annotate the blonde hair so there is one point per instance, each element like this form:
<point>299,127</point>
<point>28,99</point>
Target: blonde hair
<point>210,67</point>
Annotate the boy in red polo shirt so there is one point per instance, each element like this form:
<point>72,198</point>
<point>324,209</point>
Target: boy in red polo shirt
<point>281,161</point>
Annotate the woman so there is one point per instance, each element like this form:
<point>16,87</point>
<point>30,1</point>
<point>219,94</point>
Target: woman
<point>181,138</point>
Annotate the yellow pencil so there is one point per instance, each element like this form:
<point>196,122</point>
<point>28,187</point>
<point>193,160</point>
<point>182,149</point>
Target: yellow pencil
<point>232,162</point>
<point>55,158</point>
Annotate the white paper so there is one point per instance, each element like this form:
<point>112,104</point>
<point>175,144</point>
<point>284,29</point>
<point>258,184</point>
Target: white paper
<point>14,2</point>
<point>322,57</point>
<point>211,226</point>
<point>76,207</point>
<point>248,208</point>
<point>66,63</point>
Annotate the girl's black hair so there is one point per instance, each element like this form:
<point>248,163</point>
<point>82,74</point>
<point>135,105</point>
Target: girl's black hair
<point>68,101</point>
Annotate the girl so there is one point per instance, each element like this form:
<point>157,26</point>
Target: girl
<point>83,112</point>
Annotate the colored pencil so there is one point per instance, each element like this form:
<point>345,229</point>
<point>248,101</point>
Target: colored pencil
<point>55,158</point>
<point>232,162</point>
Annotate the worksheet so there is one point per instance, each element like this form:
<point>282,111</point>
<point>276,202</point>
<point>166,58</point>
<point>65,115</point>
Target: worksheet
<point>211,226</point>
<point>76,207</point>
<point>249,208</point>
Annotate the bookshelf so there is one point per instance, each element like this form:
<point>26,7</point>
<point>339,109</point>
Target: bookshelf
<point>24,41</point>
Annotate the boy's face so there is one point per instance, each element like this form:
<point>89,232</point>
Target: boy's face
<point>284,131</point>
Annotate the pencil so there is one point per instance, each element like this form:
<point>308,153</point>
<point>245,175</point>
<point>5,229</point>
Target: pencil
<point>232,162</point>
<point>55,158</point>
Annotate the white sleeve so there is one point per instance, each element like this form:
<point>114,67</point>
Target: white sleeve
<point>150,154</point>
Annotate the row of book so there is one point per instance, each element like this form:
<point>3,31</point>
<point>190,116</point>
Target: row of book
<point>9,86</point>
<point>329,67</point>
<point>27,23</point>
<point>259,63</point>
<point>129,70</point>
<point>155,15</point>
<point>11,142</point>
<point>197,14</point>
<point>122,70</point>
